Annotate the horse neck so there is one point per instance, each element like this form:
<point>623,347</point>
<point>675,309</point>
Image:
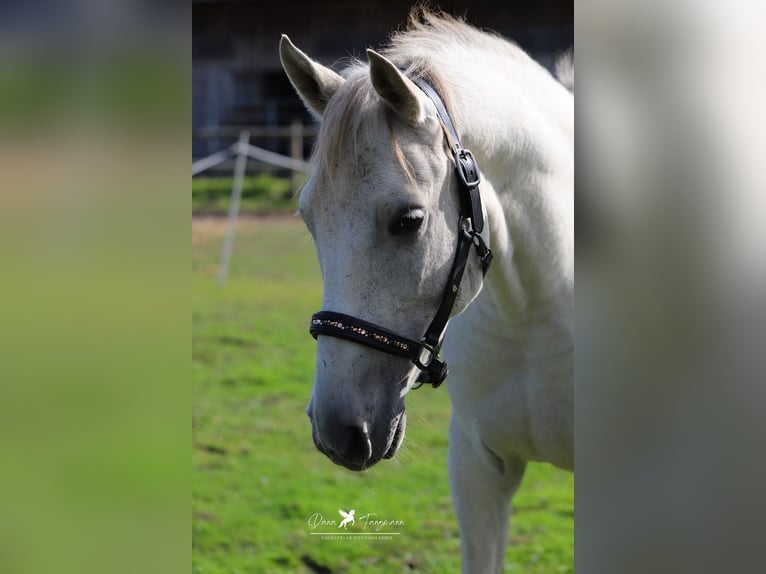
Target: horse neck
<point>520,125</point>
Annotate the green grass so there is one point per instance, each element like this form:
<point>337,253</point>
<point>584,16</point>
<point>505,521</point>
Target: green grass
<point>257,477</point>
<point>262,194</point>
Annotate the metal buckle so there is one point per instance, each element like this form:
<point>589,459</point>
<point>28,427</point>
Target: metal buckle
<point>464,160</point>
<point>431,353</point>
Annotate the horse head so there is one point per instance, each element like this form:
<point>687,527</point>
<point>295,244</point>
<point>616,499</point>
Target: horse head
<point>383,209</point>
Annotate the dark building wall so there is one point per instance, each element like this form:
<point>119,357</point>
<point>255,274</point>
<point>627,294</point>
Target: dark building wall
<point>237,79</point>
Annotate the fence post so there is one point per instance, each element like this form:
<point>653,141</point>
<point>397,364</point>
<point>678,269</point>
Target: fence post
<point>236,195</point>
<point>296,150</point>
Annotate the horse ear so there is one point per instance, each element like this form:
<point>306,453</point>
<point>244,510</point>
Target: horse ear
<point>314,83</point>
<point>396,89</point>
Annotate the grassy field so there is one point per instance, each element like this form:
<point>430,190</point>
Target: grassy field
<point>262,194</point>
<point>257,478</point>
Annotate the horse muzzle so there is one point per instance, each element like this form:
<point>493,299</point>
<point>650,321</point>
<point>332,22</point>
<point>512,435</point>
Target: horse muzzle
<point>351,444</point>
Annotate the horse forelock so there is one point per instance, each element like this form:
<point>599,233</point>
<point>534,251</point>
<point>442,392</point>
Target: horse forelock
<point>347,123</point>
<point>354,118</point>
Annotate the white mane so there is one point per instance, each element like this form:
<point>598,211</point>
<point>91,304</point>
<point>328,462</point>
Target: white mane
<point>431,46</point>
<point>565,70</point>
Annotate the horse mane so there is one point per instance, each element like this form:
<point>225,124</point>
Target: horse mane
<point>430,37</point>
<point>427,40</point>
<point>565,70</point>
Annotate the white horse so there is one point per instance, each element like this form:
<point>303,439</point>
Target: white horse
<point>383,208</point>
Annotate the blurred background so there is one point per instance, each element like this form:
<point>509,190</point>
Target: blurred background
<point>237,78</point>
<point>94,311</point>
<point>238,83</point>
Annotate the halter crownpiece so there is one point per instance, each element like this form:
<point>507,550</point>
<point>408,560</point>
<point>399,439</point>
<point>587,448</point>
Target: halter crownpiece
<point>425,353</point>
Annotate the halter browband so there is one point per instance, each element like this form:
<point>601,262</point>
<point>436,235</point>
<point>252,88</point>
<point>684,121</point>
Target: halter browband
<point>425,353</point>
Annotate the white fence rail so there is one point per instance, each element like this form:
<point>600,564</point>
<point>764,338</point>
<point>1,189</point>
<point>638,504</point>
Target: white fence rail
<point>242,150</point>
<point>254,152</point>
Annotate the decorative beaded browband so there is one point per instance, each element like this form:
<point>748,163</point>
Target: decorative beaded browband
<point>425,353</point>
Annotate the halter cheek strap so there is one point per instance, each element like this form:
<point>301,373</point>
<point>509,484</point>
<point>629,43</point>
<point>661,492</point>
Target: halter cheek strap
<point>425,353</point>
<point>466,167</point>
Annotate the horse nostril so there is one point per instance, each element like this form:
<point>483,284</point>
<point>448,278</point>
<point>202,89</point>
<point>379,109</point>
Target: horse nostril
<point>356,446</point>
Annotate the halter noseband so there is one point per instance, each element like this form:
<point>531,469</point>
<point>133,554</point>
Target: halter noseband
<point>425,353</point>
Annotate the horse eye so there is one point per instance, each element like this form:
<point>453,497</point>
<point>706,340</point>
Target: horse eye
<point>407,222</point>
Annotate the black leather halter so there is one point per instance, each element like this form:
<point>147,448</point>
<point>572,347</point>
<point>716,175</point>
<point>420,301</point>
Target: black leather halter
<point>425,353</point>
